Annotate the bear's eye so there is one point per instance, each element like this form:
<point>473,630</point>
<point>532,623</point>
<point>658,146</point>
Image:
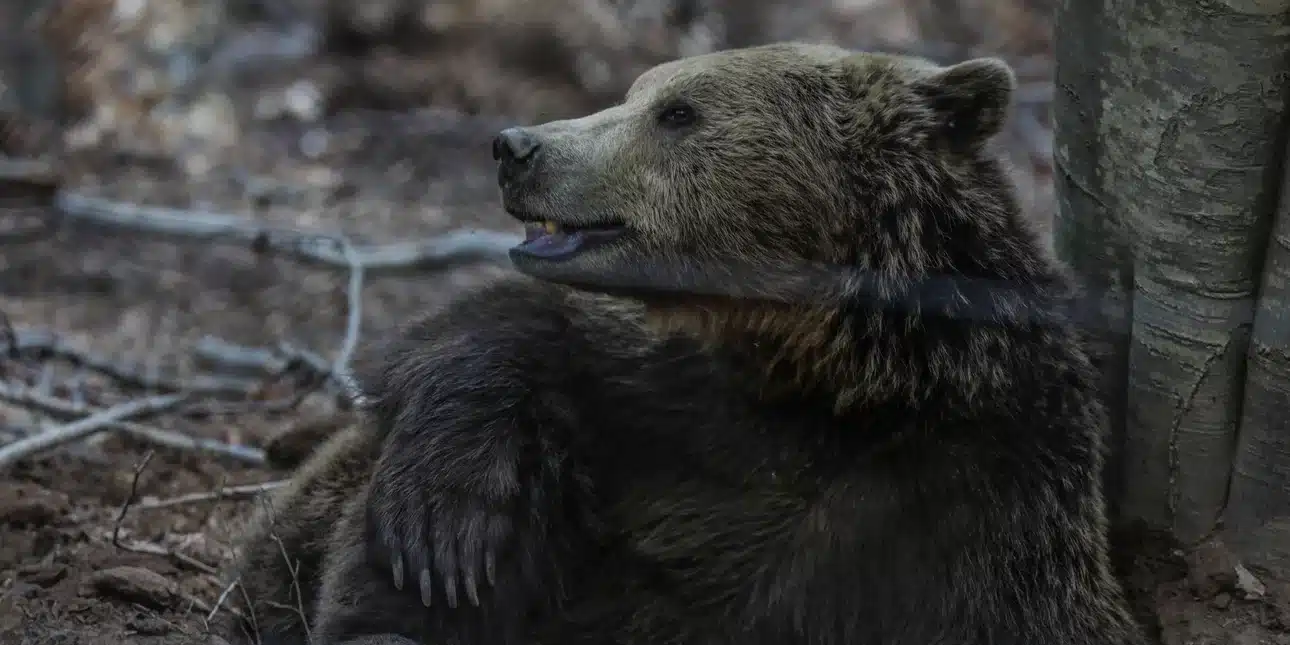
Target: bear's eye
<point>677,115</point>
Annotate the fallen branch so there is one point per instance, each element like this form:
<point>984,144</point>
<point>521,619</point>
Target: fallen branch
<point>148,548</point>
<point>222,354</point>
<point>219,602</point>
<point>17,229</point>
<point>27,181</point>
<point>41,344</point>
<point>219,355</point>
<point>67,410</point>
<point>87,426</point>
<point>314,370</point>
<point>437,252</point>
<point>248,491</point>
<point>353,323</point>
<point>129,498</point>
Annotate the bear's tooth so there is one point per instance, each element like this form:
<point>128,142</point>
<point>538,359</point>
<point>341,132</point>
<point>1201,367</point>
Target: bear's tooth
<point>550,227</point>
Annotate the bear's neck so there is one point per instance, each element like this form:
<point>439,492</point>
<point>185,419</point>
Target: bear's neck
<point>855,356</point>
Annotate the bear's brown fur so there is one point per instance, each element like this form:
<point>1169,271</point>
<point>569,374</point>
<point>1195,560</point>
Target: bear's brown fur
<point>813,383</point>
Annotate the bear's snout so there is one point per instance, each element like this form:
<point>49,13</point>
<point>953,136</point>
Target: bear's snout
<point>516,150</point>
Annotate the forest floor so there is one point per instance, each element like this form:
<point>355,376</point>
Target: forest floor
<point>117,538</point>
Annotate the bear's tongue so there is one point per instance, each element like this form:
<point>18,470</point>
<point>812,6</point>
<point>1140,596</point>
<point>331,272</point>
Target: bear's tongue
<point>550,241</point>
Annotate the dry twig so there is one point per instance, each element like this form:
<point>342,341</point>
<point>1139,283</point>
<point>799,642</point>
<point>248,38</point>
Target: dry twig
<point>129,498</point>
<point>354,321</point>
<point>148,548</point>
<point>312,370</point>
<point>223,356</point>
<point>87,426</point>
<point>456,247</point>
<point>248,491</point>
<point>41,344</point>
<point>259,370</point>
<point>219,602</point>
<point>67,410</point>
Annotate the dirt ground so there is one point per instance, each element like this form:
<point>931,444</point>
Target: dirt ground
<point>63,579</point>
<point>97,544</point>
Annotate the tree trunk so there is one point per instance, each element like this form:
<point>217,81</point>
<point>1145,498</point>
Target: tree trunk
<point>29,77</point>
<point>1185,100</point>
<point>1088,232</point>
<point>1258,512</point>
<point>1198,92</point>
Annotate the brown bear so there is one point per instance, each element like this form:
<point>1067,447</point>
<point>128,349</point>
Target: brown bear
<point>785,364</point>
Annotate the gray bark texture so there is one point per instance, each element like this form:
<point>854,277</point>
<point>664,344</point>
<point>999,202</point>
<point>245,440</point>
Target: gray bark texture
<point>1185,101</point>
<point>1088,231</point>
<point>1258,511</point>
<point>1194,136</point>
<point>29,81</point>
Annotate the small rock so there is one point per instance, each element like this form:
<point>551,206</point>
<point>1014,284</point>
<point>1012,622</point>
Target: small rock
<point>269,105</point>
<point>1222,601</point>
<point>135,584</point>
<point>1211,570</point>
<point>127,11</point>
<point>31,505</point>
<point>314,143</point>
<point>150,626</point>
<point>1248,583</point>
<point>304,101</point>
<point>45,575</point>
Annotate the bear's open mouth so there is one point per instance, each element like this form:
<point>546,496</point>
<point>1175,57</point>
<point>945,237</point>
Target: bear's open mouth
<point>550,240</point>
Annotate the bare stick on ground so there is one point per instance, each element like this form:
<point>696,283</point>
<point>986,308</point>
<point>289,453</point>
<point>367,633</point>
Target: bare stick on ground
<point>219,602</point>
<point>354,321</point>
<point>244,492</point>
<point>456,247</point>
<point>91,424</point>
<point>308,368</point>
<point>148,548</point>
<point>67,410</point>
<point>41,344</point>
<point>129,498</point>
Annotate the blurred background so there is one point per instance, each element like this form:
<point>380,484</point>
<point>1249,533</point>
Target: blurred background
<point>214,87</point>
<point>369,120</point>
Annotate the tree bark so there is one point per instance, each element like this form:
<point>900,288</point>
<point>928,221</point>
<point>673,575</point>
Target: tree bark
<point>1193,134</point>
<point>1169,140</point>
<point>1258,511</point>
<point>1088,230</point>
<point>29,83</point>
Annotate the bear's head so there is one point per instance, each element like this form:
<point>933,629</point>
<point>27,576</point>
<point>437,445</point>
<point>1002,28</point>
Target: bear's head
<point>793,190</point>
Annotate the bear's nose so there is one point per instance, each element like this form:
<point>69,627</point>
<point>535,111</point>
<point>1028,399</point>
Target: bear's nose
<point>514,145</point>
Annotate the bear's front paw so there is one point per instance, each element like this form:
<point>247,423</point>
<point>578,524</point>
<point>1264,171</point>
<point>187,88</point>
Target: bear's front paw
<point>442,541</point>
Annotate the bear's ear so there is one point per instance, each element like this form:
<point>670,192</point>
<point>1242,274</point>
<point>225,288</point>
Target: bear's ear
<point>970,98</point>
